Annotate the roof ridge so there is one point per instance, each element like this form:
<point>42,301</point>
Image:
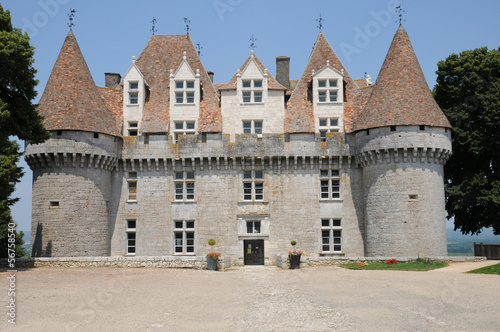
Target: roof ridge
<point>273,84</point>
<point>401,95</point>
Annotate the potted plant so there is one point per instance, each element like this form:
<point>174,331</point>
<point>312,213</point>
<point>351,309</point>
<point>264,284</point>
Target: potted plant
<point>294,256</point>
<point>212,257</point>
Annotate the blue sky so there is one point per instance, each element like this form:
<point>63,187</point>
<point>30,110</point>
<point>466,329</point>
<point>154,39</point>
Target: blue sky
<point>111,32</point>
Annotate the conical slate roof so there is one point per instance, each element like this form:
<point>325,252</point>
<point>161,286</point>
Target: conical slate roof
<point>71,100</point>
<point>401,95</point>
<point>162,54</point>
<point>299,115</point>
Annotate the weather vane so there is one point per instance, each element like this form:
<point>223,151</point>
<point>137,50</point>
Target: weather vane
<point>320,22</point>
<point>252,45</point>
<point>71,15</point>
<point>399,9</point>
<point>187,22</point>
<point>199,47</point>
<point>153,28</point>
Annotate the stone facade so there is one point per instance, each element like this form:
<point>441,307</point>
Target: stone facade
<point>233,162</point>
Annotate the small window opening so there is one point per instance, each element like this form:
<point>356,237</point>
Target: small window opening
<point>413,197</point>
<point>54,204</point>
<point>393,128</point>
<point>59,132</point>
<point>131,224</point>
<point>422,127</point>
<point>96,135</point>
<point>367,132</point>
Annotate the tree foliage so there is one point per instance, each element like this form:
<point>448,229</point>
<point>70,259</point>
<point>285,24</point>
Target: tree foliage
<point>468,91</point>
<point>18,116</point>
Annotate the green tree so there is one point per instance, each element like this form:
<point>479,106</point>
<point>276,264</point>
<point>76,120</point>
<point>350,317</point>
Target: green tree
<point>468,91</point>
<point>18,117</point>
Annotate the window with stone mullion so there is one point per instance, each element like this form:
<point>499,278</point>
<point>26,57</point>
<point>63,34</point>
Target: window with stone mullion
<point>329,184</point>
<point>253,185</point>
<point>184,183</point>
<point>184,237</point>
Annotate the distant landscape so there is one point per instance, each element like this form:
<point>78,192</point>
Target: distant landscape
<point>463,245</point>
<point>458,244</point>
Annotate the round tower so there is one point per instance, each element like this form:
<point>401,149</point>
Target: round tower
<point>72,170</point>
<point>71,194</point>
<point>403,140</point>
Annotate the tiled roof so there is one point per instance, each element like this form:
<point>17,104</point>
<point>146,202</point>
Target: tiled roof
<point>272,84</point>
<point>401,95</point>
<point>113,98</point>
<point>161,54</point>
<point>71,100</point>
<point>299,112</point>
<point>362,82</point>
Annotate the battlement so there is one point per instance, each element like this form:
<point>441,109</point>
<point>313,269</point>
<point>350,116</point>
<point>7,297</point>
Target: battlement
<point>403,144</point>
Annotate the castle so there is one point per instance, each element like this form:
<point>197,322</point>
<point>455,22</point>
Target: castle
<point>160,161</point>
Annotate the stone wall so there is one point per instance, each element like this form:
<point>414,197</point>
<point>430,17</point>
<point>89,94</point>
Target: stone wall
<point>403,189</point>
<point>72,193</point>
<point>199,263</point>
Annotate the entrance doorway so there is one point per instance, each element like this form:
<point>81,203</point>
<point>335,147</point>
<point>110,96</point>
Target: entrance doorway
<point>253,252</point>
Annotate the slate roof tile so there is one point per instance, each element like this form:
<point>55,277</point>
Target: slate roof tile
<point>161,54</point>
<point>299,112</point>
<point>71,100</point>
<point>401,95</point>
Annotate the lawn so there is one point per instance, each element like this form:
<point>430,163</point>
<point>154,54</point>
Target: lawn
<point>407,266</point>
<point>492,269</point>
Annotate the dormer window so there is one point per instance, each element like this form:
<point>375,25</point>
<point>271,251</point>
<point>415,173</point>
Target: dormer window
<point>327,91</point>
<point>327,125</point>
<point>183,128</point>
<point>133,88</point>
<point>133,128</point>
<point>184,92</point>
<point>252,127</point>
<point>252,91</point>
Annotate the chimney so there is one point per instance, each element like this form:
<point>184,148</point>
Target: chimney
<point>283,71</point>
<point>112,80</point>
<point>211,75</point>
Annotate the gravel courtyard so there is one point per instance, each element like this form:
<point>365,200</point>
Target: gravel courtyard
<point>252,299</point>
